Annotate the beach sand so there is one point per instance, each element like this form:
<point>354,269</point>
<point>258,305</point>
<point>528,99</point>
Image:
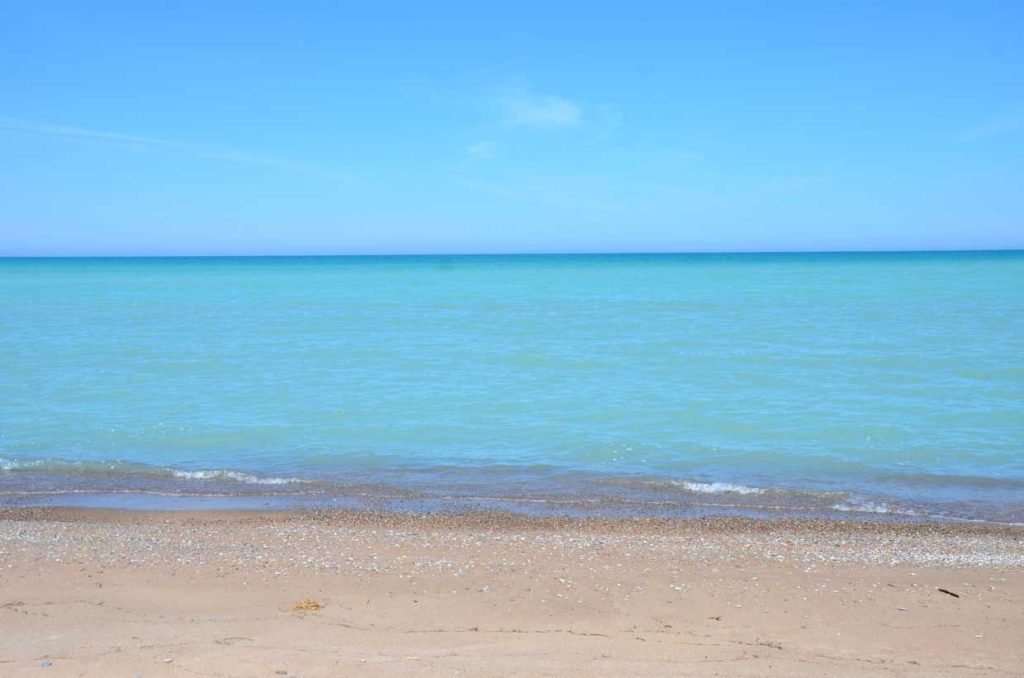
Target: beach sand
<point>101,593</point>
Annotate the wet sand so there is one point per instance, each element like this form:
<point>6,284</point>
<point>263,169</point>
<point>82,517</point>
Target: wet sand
<point>106,593</point>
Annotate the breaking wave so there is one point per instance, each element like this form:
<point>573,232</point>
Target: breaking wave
<point>121,468</point>
<point>718,488</point>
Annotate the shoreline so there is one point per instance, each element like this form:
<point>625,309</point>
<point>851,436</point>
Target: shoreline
<point>498,520</point>
<point>682,501</point>
<point>517,512</point>
<point>858,541</point>
<point>544,490</point>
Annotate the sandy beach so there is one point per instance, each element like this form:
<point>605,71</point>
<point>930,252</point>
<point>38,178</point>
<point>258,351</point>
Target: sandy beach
<point>102,593</point>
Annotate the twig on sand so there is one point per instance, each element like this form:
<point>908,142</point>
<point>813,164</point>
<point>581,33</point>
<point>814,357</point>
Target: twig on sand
<point>308,605</point>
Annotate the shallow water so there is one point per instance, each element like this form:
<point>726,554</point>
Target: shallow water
<point>857,384</point>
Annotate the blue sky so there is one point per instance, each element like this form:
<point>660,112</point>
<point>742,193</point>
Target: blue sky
<point>326,127</point>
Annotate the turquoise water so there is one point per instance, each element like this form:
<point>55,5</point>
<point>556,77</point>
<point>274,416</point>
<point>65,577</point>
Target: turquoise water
<point>861,384</point>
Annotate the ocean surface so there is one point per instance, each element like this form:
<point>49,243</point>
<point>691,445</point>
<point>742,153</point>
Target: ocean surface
<point>854,385</point>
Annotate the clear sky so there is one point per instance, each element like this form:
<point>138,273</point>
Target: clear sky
<point>328,127</point>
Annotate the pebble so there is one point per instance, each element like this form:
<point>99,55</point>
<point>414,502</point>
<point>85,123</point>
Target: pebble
<point>275,545</point>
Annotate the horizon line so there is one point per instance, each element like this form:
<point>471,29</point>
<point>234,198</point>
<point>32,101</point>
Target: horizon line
<point>951,250</point>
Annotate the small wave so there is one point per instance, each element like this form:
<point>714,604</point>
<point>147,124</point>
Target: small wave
<point>867,506</point>
<point>115,468</point>
<point>718,488</point>
<point>67,466</point>
<point>237,476</point>
<point>862,507</point>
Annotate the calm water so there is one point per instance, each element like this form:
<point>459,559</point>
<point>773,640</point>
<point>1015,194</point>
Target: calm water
<point>768,384</point>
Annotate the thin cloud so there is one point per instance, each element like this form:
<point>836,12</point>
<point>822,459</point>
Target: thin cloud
<point>78,132</point>
<point>283,164</point>
<point>531,110</point>
<point>481,150</point>
<point>490,188</point>
<point>136,142</point>
<point>1009,121</point>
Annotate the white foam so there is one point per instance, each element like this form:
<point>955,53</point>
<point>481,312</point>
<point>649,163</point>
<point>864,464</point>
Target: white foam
<point>237,476</point>
<point>58,466</point>
<point>13,465</point>
<point>862,507</point>
<point>718,488</point>
<point>867,506</point>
